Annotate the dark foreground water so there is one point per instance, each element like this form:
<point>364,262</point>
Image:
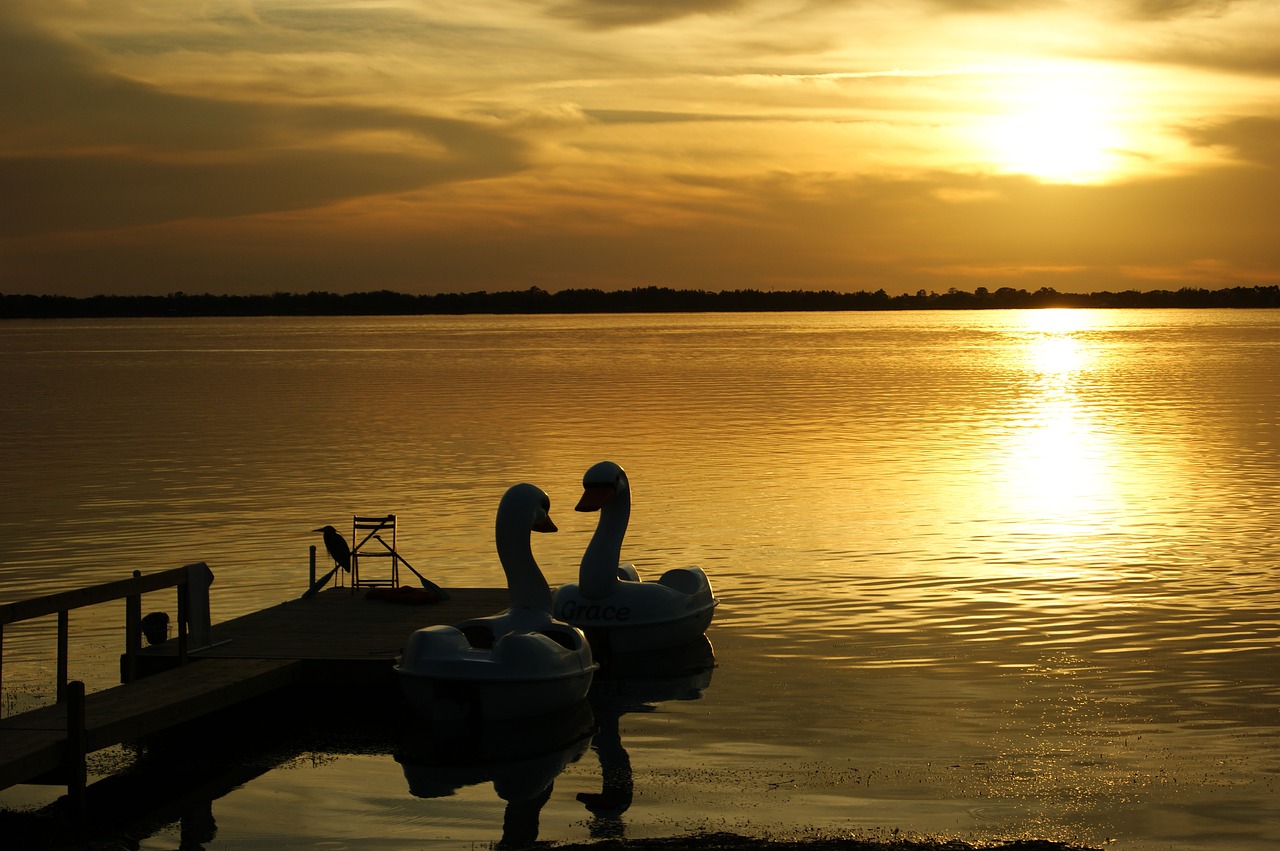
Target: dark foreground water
<point>983,575</point>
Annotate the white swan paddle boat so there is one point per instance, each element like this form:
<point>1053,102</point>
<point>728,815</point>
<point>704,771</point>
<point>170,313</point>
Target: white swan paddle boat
<point>518,664</point>
<point>619,611</point>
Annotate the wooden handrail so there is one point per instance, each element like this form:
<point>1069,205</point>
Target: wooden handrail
<point>131,590</point>
<point>65,601</point>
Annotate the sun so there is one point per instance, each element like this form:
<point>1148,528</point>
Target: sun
<point>1058,143</point>
<point>1057,127</point>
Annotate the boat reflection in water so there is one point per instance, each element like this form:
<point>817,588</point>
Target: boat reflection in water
<point>633,683</point>
<point>521,757</point>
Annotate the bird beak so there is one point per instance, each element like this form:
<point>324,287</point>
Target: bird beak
<point>321,529</point>
<point>545,526</point>
<point>595,497</point>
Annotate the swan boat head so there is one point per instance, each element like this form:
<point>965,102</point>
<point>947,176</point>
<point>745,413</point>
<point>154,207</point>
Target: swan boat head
<point>519,663</point>
<point>524,508</point>
<point>610,598</point>
<point>606,489</point>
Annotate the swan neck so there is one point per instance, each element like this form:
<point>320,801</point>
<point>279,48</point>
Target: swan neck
<point>598,574</point>
<point>526,586</point>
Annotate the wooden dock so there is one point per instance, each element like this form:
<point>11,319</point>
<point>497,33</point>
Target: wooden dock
<point>340,637</point>
<point>337,638</point>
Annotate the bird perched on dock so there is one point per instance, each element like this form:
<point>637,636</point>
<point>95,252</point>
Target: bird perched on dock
<point>337,547</point>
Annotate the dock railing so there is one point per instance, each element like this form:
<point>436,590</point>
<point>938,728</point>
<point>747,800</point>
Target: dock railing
<point>193,620</point>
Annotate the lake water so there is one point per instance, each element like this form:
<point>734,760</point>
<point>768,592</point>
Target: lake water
<point>983,575</point>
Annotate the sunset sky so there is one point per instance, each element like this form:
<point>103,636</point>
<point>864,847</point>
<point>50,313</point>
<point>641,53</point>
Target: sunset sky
<point>254,146</point>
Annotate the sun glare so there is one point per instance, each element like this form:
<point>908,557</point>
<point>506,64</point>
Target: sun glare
<point>1058,128</point>
<point>1056,469</point>
<point>1056,356</point>
<point>1060,146</point>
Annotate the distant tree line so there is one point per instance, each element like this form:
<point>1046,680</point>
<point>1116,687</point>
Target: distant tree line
<point>635,300</point>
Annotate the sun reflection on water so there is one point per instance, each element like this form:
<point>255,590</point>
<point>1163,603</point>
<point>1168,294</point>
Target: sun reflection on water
<point>1057,356</point>
<point>1056,471</point>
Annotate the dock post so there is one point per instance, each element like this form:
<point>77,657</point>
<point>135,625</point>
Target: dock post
<point>199,623</point>
<point>132,633</point>
<point>184,618</point>
<point>64,627</point>
<point>77,773</point>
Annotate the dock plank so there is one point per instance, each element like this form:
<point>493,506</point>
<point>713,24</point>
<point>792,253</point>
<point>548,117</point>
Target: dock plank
<point>35,742</point>
<point>127,712</point>
<point>30,753</point>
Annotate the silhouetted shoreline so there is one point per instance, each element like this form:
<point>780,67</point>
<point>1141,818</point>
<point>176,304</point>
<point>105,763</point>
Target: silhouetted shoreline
<point>536,300</point>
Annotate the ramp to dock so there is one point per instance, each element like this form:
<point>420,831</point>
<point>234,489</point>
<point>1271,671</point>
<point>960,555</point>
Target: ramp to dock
<point>337,638</point>
<point>38,742</point>
<point>334,639</point>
